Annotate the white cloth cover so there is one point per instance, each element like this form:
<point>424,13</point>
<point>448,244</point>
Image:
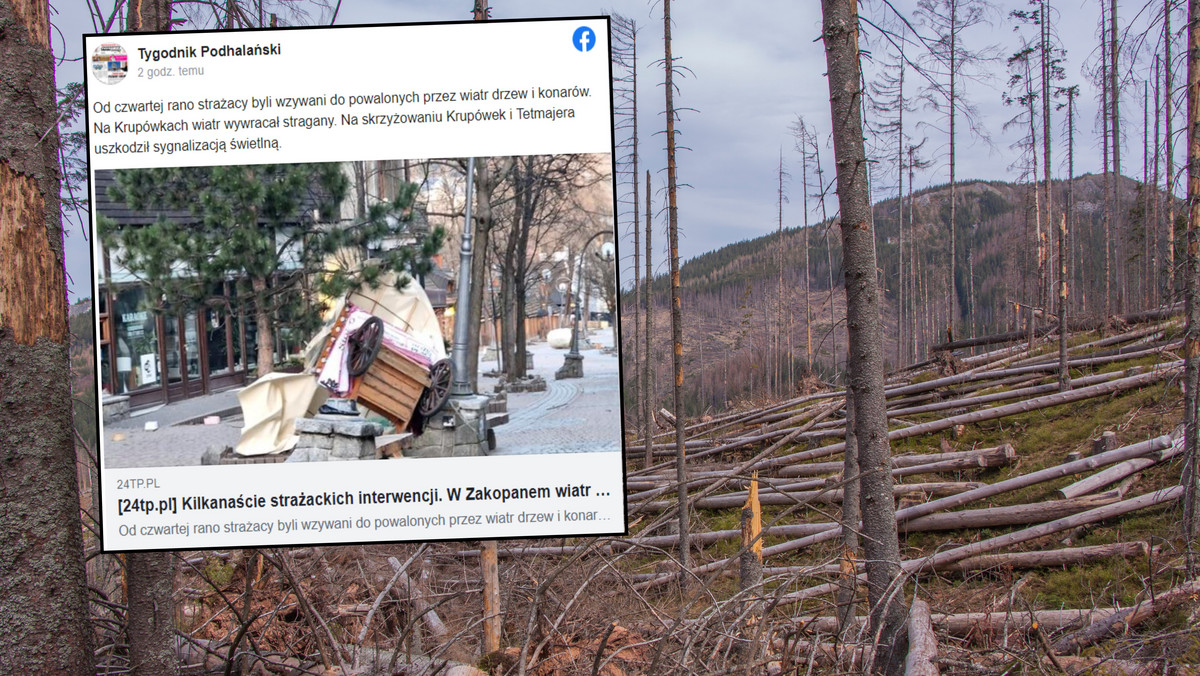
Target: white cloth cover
<point>270,407</point>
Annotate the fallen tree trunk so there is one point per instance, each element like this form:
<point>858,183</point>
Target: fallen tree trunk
<point>908,513</point>
<point>922,642</point>
<point>1121,621</point>
<point>771,496</point>
<point>1002,454</point>
<point>1083,325</point>
<point>416,595</point>
<point>995,457</point>
<point>1034,404</point>
<point>945,558</point>
<point>1103,666</point>
<point>1050,558</point>
<point>1118,472</point>
<point>963,624</point>
<point>1001,396</point>
<point>1011,515</point>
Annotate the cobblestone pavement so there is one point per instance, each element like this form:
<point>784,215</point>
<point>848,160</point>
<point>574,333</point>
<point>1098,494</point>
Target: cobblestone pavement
<point>572,416</point>
<point>174,443</point>
<point>580,415</point>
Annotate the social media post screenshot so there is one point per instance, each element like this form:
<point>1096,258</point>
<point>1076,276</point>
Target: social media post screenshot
<point>355,284</point>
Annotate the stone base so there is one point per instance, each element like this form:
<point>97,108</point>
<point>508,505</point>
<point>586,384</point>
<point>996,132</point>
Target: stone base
<point>530,384</point>
<point>115,408</point>
<point>466,437</point>
<point>335,437</point>
<point>572,367</point>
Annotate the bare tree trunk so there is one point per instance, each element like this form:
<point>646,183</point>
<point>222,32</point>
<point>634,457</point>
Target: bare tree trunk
<point>912,279</point>
<point>866,370</point>
<point>952,266</point>
<point>1191,349</point>
<point>779,313</point>
<point>1064,374</point>
<point>150,576</point>
<point>1114,92</point>
<point>649,388</point>
<point>1105,121</point>
<point>850,516</point>
<point>900,217</point>
<point>1071,92</point>
<point>1047,167</point>
<point>807,264</point>
<point>43,588</point>
<point>486,180</point>
<point>828,258</point>
<point>676,309</point>
<point>151,617</point>
<point>1157,219</point>
<point>1147,199</point>
<point>1168,101</point>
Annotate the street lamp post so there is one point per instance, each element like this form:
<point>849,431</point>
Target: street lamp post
<point>573,362</point>
<point>460,385</point>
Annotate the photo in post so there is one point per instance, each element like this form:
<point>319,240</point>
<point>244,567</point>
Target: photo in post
<point>311,332</point>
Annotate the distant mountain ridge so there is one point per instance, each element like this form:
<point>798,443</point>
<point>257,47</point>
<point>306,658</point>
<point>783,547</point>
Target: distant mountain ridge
<point>739,326</point>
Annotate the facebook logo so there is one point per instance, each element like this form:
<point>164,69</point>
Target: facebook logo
<point>584,39</point>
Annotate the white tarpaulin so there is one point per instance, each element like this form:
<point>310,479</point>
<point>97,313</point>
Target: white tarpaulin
<point>270,407</point>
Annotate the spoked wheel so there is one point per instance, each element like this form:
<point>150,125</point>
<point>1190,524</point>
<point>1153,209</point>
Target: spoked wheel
<point>363,346</point>
<point>438,392</point>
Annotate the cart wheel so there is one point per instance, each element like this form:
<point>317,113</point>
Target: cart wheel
<point>438,392</point>
<point>363,346</point>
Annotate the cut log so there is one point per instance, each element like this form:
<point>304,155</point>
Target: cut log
<point>1120,622</point>
<point>922,642</point>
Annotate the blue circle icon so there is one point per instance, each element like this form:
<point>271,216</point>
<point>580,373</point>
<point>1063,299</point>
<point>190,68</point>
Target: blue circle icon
<point>584,39</point>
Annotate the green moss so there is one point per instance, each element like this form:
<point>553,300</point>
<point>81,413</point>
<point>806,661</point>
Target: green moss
<point>218,573</point>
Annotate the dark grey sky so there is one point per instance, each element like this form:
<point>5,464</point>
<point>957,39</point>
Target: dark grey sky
<point>755,67</point>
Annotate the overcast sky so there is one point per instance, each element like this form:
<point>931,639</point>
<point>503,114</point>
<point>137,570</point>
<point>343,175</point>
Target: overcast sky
<point>754,68</point>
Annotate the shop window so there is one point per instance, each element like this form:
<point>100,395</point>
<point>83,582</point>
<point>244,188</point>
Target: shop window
<point>215,325</point>
<point>135,343</point>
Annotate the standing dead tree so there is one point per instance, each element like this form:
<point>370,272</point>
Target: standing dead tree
<point>863,318</point>
<point>954,62</point>
<point>1191,349</point>
<point>624,52</point>
<point>676,308</point>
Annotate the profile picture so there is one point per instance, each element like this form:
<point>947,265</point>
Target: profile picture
<point>110,63</point>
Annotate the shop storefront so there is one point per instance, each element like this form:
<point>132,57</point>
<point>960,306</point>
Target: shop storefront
<point>157,356</point>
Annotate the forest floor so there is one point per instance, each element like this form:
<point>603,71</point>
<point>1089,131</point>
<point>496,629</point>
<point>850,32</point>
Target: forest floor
<point>617,606</point>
